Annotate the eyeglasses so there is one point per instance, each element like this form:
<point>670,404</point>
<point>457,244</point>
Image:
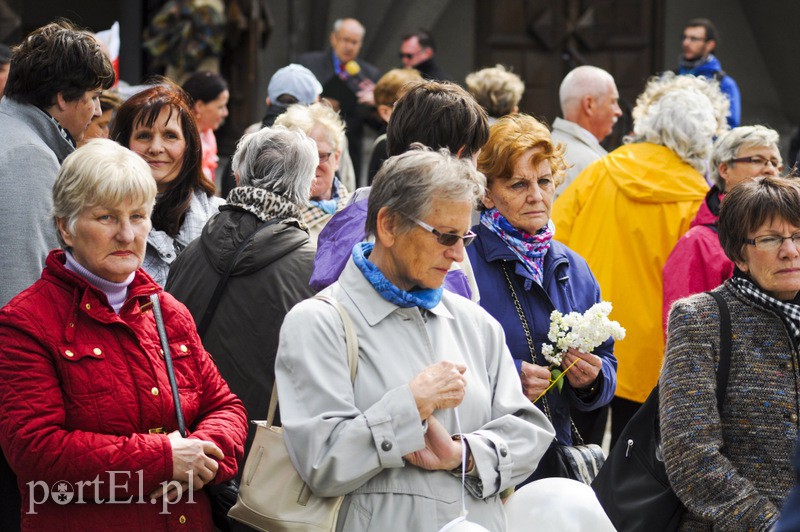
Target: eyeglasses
<point>772,242</point>
<point>757,160</point>
<point>448,239</point>
<point>693,38</point>
<point>323,157</point>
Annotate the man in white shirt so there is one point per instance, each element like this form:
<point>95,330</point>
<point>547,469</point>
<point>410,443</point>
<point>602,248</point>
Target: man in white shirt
<point>589,103</point>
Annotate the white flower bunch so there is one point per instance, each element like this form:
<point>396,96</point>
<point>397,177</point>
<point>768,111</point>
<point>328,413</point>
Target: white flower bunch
<point>584,331</point>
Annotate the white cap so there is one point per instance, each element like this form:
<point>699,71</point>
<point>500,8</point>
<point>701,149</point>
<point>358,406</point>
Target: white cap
<point>295,80</point>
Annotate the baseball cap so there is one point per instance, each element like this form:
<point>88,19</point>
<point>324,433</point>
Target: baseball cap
<point>295,80</point>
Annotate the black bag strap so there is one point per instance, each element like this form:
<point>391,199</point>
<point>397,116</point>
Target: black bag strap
<point>223,280</point>
<point>162,335</point>
<point>725,347</point>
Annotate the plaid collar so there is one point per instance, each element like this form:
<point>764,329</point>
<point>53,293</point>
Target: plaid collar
<point>788,311</point>
<point>62,130</point>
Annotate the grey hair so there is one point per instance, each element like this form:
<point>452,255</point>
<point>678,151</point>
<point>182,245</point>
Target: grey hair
<point>496,89</point>
<point>100,173</point>
<point>582,81</point>
<point>278,160</point>
<point>658,86</point>
<point>680,115</point>
<point>407,184</point>
<point>727,146</point>
<point>337,25</point>
<point>305,118</point>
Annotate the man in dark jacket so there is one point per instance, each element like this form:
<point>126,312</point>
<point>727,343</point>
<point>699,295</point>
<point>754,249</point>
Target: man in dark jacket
<point>418,51</point>
<point>267,277</point>
<point>346,80</point>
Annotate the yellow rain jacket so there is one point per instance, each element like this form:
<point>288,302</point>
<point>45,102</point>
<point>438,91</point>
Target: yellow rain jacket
<point>623,214</point>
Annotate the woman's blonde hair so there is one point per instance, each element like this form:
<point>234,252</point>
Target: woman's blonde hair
<point>305,118</point>
<point>100,173</point>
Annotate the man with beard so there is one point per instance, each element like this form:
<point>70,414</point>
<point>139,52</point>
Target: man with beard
<point>697,58</point>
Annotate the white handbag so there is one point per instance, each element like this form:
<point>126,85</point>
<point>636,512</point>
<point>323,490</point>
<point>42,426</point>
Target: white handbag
<point>272,495</point>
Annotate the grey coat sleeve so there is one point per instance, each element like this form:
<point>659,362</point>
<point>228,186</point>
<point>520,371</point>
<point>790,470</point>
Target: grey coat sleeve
<point>336,447</point>
<point>691,434</point>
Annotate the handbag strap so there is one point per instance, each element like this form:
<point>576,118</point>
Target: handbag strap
<point>351,343</point>
<point>223,280</point>
<point>162,335</point>
<point>529,339</point>
<point>725,348</point>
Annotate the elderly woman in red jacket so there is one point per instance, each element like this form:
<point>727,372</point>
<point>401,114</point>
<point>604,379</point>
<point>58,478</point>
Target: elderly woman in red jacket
<point>87,418</point>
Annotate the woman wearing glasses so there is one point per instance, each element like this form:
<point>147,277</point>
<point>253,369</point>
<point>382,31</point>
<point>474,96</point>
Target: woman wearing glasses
<point>433,370</point>
<point>523,274</point>
<point>697,262</point>
<point>732,468</point>
<point>326,128</point>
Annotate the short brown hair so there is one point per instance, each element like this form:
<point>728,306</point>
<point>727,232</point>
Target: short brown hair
<point>509,138</point>
<point>753,203</point>
<point>392,85</point>
<point>57,58</point>
<point>438,115</point>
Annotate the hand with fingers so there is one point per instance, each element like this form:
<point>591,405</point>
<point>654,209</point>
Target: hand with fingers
<point>585,371</point>
<point>535,379</point>
<point>438,386</point>
<point>191,458</point>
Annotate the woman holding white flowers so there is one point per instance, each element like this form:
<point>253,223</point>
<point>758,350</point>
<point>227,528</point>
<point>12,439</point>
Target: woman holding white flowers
<point>732,468</point>
<point>523,274</point>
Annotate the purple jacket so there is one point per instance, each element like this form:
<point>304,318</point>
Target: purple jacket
<point>335,245</point>
<point>568,285</point>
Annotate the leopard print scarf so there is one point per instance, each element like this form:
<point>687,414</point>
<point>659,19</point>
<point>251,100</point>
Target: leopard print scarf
<point>265,204</point>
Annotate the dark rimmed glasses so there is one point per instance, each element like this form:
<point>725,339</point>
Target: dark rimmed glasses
<point>445,239</point>
<point>772,242</point>
<point>759,161</point>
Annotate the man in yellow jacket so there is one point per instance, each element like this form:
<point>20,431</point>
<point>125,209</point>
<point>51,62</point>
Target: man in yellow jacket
<point>625,212</point>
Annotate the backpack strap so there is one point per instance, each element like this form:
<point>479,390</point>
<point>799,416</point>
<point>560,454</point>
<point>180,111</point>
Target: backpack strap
<point>223,280</point>
<point>725,346</point>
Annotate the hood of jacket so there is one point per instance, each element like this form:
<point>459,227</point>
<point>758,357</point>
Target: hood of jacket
<point>224,233</point>
<point>649,173</point>
<point>708,214</point>
<point>707,68</point>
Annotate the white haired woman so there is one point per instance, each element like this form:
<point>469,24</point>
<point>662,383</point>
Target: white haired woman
<point>698,263</point>
<point>428,359</point>
<point>625,212</point>
<point>85,397</point>
<point>275,169</point>
<point>328,195</point>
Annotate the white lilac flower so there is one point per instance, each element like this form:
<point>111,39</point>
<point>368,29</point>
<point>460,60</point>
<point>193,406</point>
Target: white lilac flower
<point>584,332</point>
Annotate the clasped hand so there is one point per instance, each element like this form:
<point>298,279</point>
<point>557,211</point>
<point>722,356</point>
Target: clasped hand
<point>193,458</point>
<point>440,452</point>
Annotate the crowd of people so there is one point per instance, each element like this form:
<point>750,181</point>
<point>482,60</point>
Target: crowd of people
<point>152,298</point>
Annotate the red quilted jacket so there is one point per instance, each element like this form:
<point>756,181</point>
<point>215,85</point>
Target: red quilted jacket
<point>81,387</point>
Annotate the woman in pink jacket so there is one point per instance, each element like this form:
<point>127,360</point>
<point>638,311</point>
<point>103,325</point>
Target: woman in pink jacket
<point>697,262</point>
<point>87,418</point>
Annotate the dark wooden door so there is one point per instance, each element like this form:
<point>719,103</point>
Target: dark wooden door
<point>542,40</point>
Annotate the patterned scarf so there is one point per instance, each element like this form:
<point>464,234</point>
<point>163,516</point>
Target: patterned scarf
<point>425,298</point>
<point>529,249</point>
<point>788,311</point>
<point>264,204</point>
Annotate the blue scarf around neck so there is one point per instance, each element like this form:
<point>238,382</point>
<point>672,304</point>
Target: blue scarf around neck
<point>426,298</point>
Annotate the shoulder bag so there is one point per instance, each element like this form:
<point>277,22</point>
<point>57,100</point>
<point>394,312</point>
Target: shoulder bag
<point>579,462</point>
<point>272,495</point>
<point>632,486</point>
